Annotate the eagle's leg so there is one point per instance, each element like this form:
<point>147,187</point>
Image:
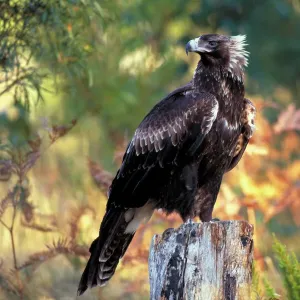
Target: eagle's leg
<point>204,207</point>
<point>206,215</point>
<point>206,198</point>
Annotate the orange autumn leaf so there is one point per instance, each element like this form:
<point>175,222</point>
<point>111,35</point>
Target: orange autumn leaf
<point>291,143</point>
<point>69,27</point>
<point>289,119</point>
<point>293,170</point>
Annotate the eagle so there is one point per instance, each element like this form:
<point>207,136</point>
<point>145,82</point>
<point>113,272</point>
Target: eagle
<point>179,153</point>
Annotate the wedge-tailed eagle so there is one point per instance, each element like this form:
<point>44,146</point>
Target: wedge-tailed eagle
<point>179,153</point>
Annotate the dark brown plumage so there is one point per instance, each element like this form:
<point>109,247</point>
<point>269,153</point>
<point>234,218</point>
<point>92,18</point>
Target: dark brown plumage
<point>179,153</point>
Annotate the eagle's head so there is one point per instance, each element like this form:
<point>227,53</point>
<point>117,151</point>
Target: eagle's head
<point>216,49</point>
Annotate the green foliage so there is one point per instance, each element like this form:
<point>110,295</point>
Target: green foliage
<point>16,129</point>
<point>255,288</point>
<point>40,38</point>
<point>112,58</point>
<point>261,287</point>
<point>290,270</point>
<point>269,290</point>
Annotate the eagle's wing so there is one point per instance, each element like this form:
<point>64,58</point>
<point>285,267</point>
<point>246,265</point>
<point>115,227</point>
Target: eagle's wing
<point>248,126</point>
<point>170,135</point>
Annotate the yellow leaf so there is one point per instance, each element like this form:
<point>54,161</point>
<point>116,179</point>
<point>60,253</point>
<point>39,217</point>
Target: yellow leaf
<point>293,170</point>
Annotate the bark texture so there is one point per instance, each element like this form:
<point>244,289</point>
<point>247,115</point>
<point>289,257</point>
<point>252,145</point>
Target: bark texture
<point>203,261</point>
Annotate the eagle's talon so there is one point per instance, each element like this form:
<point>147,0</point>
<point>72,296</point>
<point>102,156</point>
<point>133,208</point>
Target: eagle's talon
<point>215,220</point>
<point>189,221</point>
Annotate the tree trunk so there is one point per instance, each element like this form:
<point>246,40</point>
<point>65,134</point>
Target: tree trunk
<point>206,261</point>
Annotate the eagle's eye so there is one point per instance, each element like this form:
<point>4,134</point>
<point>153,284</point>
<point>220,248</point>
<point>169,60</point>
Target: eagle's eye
<point>212,43</point>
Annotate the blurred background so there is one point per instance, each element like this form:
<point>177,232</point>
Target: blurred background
<point>76,79</point>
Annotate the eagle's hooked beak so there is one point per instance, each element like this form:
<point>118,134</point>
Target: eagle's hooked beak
<point>195,45</point>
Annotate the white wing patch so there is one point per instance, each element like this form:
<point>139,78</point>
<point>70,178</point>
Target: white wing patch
<point>137,216</point>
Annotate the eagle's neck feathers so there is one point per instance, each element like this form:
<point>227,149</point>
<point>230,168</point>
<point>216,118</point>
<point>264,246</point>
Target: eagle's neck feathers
<point>223,84</point>
<point>217,80</point>
<point>238,56</point>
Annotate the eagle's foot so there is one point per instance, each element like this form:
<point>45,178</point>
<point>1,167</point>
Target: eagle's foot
<point>189,221</point>
<point>215,220</point>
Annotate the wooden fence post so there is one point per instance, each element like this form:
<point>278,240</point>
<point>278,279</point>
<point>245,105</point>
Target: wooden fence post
<point>205,261</point>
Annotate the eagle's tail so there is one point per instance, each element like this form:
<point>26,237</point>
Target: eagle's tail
<point>106,250</point>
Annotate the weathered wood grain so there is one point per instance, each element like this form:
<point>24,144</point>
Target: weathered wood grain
<point>205,261</point>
